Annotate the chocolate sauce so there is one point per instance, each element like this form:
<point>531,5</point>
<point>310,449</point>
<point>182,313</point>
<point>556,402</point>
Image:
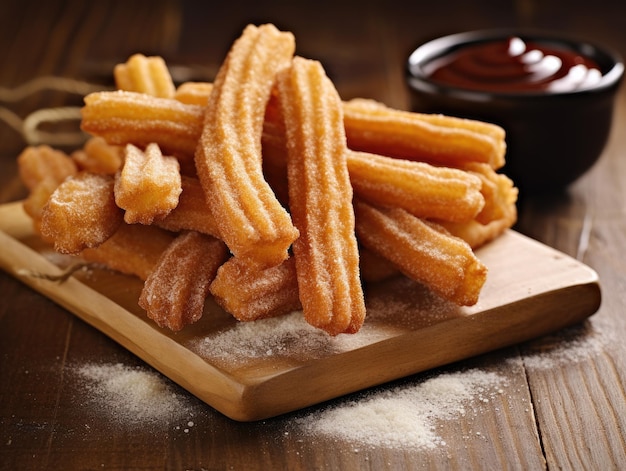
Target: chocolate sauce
<point>515,66</point>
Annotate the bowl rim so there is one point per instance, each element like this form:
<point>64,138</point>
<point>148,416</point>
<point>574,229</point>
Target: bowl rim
<point>419,80</point>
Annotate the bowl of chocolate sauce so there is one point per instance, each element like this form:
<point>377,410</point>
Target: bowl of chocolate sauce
<point>554,97</point>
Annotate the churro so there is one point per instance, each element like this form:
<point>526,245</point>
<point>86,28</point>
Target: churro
<point>373,127</point>
<point>37,163</point>
<point>320,196</point>
<point>98,156</point>
<point>250,218</point>
<point>148,186</point>
<point>81,213</point>
<point>134,249</point>
<point>175,291</point>
<point>192,212</point>
<point>422,251</point>
<point>250,293</point>
<point>422,189</point>
<point>122,118</point>
<point>194,93</point>
<point>42,169</point>
<point>143,74</point>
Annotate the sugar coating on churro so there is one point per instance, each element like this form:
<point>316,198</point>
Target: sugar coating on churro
<point>320,199</point>
<point>122,118</point>
<point>250,293</point>
<point>251,220</point>
<point>422,251</point>
<point>148,185</point>
<point>38,163</point>
<point>422,189</point>
<point>175,291</point>
<point>375,128</point>
<point>81,213</point>
<point>143,74</point>
<point>192,212</point>
<point>134,249</point>
<point>98,156</point>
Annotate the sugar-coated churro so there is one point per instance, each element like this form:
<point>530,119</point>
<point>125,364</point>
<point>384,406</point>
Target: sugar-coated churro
<point>134,249</point>
<point>320,196</point>
<point>81,213</point>
<point>250,218</point>
<point>375,128</point>
<point>422,251</point>
<point>175,291</point>
<point>192,212</point>
<point>250,293</point>
<point>143,74</point>
<point>98,156</point>
<point>122,118</point>
<point>148,186</point>
<point>422,189</point>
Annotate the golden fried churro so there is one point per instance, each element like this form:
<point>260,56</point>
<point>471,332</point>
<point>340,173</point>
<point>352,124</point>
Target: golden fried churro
<point>194,93</point>
<point>98,156</point>
<point>37,163</point>
<point>136,118</point>
<point>420,188</point>
<point>143,74</point>
<point>175,292</point>
<point>499,213</point>
<point>498,191</point>
<point>192,213</point>
<point>81,213</point>
<point>251,220</point>
<point>422,251</point>
<point>375,128</point>
<point>250,293</point>
<point>42,169</point>
<point>148,186</point>
<point>320,196</point>
<point>134,249</point>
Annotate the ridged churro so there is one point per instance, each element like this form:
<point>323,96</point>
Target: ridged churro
<point>148,185</point>
<point>422,189</point>
<point>37,163</point>
<point>122,118</point>
<point>98,156</point>
<point>373,127</point>
<point>81,213</point>
<point>250,218</point>
<point>175,291</point>
<point>143,74</point>
<point>192,212</point>
<point>134,249</point>
<point>194,93</point>
<point>422,251</point>
<point>250,293</point>
<point>320,196</point>
<point>42,169</point>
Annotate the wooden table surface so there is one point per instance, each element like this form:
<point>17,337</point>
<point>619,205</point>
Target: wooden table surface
<point>559,401</point>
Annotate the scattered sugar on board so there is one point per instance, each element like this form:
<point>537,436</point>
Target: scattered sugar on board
<point>404,417</point>
<point>135,395</point>
<point>284,336</point>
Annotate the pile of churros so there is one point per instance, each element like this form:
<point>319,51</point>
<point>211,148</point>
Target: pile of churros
<point>268,192</point>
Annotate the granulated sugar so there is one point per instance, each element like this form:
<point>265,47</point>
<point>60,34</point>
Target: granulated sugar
<point>568,346</point>
<point>285,336</point>
<point>406,416</point>
<point>133,394</point>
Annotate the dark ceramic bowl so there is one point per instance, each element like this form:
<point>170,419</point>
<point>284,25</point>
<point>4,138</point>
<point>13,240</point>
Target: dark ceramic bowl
<point>552,137</point>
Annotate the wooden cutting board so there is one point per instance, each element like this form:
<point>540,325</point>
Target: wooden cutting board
<point>252,371</point>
